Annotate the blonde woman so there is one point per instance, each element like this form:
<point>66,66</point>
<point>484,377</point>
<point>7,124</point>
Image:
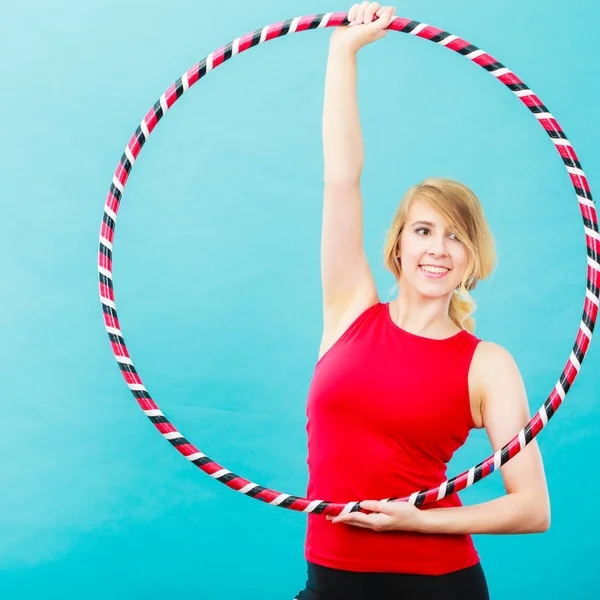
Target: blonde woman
<point>398,386</point>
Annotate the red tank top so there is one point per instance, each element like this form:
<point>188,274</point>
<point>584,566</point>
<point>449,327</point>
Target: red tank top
<point>386,411</point>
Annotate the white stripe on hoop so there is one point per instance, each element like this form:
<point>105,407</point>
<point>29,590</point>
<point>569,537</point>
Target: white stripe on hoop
<point>346,510</point>
<point>592,298</point>
<point>588,231</point>
<point>500,72</point>
<point>521,93</point>
<point>585,201</point>
<point>209,62</point>
<point>593,264</point>
<point>105,272</point>
<point>118,332</point>
<point>447,40</point>
<point>475,54</point>
<point>172,435</point>
<point>324,20</point>
<point>263,34</point>
<point>153,412</point>
<point>543,115</point>
<point>196,456</point>
<point>123,359</point>
<point>575,361</point>
<point>559,390</point>
<point>235,47</point>
<point>163,104</point>
<point>117,183</point>
<point>129,155</point>
<point>413,498</point>
<point>107,302</point>
<point>471,476</point>
<point>279,499</point>
<point>585,330</point>
<point>144,128</point>
<point>312,506</point>
<point>575,171</point>
<point>522,439</point>
<point>136,387</point>
<point>108,244</point>
<point>543,415</point>
<point>294,26</point>
<point>185,82</point>
<point>417,30</point>
<point>220,473</point>
<point>497,460</point>
<point>443,488</point>
<point>110,212</point>
<point>561,142</point>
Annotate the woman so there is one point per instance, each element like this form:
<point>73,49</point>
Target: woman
<point>398,386</point>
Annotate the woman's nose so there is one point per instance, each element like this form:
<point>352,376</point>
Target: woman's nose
<point>438,245</point>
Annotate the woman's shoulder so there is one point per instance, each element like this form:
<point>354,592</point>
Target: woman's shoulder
<point>490,358</point>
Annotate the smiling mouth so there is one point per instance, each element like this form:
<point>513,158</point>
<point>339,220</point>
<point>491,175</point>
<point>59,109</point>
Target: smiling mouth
<point>435,272</point>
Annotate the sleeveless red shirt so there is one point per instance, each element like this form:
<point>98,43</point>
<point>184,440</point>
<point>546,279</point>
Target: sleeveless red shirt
<point>386,411</point>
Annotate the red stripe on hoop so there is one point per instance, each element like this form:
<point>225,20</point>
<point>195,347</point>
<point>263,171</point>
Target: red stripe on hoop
<point>119,349</point>
<point>147,404</point>
<point>457,44</point>
<point>580,181</point>
<point>567,151</point>
<point>107,232</point>
<point>246,41</point>
<point>531,100</point>
<point>484,59</point>
<point>121,174</point>
<point>165,427</point>
<point>150,120</point>
<point>274,30</point>
<point>218,56</point>
<point>509,79</point>
<point>589,213</point>
<point>111,321</point>
<point>134,146</point>
<point>429,32</point>
<point>193,73</point>
<point>337,18</point>
<point>131,377</point>
<point>171,95</point>
<point>304,22</point>
<point>112,202</point>
<point>107,292</point>
<point>104,261</point>
<point>550,124</point>
<point>187,449</point>
<point>590,308</point>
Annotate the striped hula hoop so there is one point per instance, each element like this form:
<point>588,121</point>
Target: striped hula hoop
<point>546,120</point>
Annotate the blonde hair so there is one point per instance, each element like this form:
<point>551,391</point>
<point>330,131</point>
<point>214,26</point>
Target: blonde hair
<point>463,211</point>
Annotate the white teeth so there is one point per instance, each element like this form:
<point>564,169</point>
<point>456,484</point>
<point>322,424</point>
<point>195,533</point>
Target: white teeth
<point>435,269</point>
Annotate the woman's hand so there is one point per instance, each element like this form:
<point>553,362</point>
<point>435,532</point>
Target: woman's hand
<point>385,516</point>
<point>367,29</point>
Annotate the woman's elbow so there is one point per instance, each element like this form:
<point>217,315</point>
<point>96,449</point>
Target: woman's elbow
<point>540,521</point>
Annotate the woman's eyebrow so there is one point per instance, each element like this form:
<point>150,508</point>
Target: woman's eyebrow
<point>428,223</point>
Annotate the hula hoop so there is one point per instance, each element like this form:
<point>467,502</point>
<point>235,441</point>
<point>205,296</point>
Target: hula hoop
<point>550,126</point>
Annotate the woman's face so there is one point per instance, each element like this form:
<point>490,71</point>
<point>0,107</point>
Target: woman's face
<point>433,259</point>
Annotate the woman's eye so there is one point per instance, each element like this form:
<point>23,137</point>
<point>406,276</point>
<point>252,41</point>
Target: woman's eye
<point>421,229</point>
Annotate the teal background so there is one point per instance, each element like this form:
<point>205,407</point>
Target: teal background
<point>218,288</point>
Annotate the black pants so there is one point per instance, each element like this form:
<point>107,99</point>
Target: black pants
<point>325,583</point>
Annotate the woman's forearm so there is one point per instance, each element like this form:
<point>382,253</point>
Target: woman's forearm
<point>512,513</point>
<point>343,148</point>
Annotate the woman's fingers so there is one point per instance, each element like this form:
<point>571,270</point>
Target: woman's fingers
<point>360,12</point>
<point>370,11</point>
<point>352,13</point>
